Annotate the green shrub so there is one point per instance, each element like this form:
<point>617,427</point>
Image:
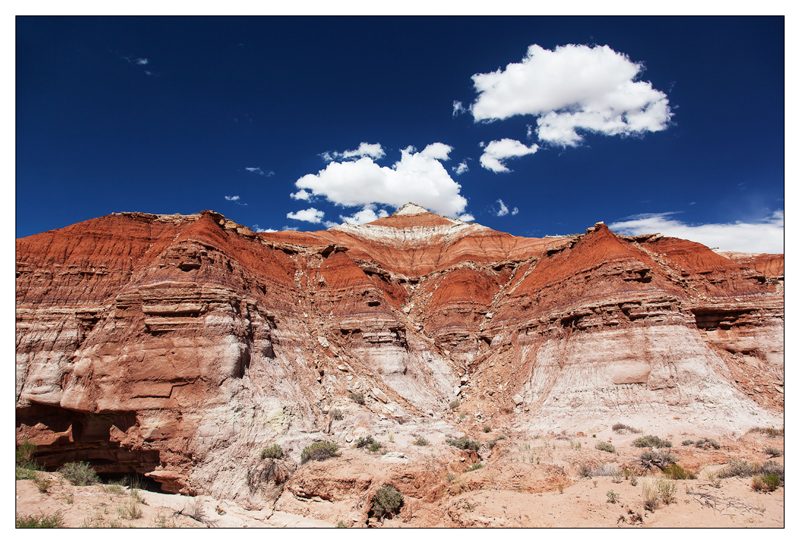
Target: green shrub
<point>454,404</point>
<point>707,443</point>
<point>677,472</point>
<point>687,442</point>
<point>273,451</point>
<point>612,497</point>
<point>487,429</point>
<point>40,522</point>
<point>386,502</point>
<point>651,441</point>
<point>319,451</point>
<point>358,398</point>
<point>605,446</point>
<point>337,414</point>
<point>475,466</point>
<point>25,453</point>
<point>464,443</point>
<point>80,473</point>
<point>421,441</point>
<point>368,442</point>
<point>766,482</point>
<point>26,467</point>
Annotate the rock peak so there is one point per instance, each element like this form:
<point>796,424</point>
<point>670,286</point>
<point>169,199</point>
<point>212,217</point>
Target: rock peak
<point>410,209</point>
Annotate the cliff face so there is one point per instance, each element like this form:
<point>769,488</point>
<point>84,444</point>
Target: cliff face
<point>177,346</point>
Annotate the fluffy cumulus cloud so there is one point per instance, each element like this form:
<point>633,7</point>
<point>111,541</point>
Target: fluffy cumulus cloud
<point>311,215</point>
<point>573,88</point>
<point>461,168</point>
<point>232,198</point>
<point>417,177</point>
<point>374,151</point>
<point>467,217</point>
<point>497,151</point>
<point>765,236</point>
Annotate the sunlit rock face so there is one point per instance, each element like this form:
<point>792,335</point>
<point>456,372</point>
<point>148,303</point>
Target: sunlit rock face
<point>177,347</point>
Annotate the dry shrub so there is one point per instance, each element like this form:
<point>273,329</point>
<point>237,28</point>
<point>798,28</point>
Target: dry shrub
<point>622,428</point>
<point>80,473</point>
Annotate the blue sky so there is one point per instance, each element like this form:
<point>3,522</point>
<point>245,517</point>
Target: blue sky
<point>528,125</point>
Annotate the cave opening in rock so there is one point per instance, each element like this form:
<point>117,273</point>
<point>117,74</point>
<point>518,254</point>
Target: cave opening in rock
<point>65,436</point>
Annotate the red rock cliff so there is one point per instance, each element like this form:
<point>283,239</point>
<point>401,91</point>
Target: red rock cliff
<point>169,345</point>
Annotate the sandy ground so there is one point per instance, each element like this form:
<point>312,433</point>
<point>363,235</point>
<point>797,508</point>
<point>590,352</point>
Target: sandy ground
<point>493,496</point>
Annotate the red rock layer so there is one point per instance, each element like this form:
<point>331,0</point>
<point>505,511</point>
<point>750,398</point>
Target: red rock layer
<point>168,345</point>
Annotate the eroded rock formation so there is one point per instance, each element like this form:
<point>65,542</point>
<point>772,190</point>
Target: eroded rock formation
<point>177,347</point>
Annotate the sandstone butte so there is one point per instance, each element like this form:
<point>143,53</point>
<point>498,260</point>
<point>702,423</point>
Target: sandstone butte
<point>177,347</point>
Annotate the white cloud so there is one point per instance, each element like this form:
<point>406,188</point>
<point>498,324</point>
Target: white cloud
<point>416,177</point>
<point>141,62</point>
<point>574,87</point>
<point>765,236</point>
<point>515,211</point>
<point>311,215</point>
<point>458,108</point>
<point>259,171</point>
<point>497,150</point>
<point>330,224</point>
<point>437,151</point>
<point>256,228</point>
<point>302,194</point>
<point>366,215</point>
<point>503,209</point>
<point>461,168</point>
<point>364,150</point>
<point>233,198</point>
<point>467,217</point>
